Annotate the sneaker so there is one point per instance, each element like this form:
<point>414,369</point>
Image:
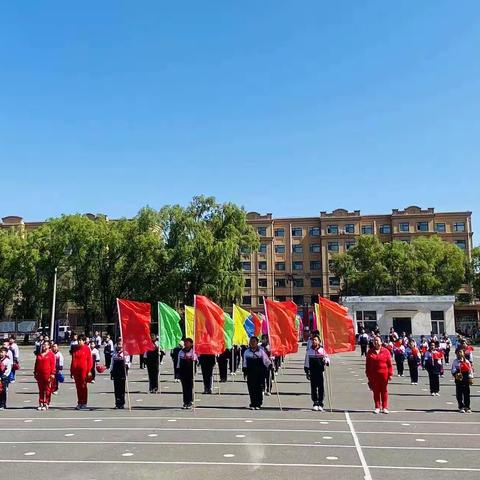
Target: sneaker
<point>315,408</point>
<point>2,408</point>
<point>251,408</point>
<point>461,410</point>
<point>84,407</point>
<point>44,408</point>
<point>39,408</point>
<point>12,381</point>
<point>78,407</point>
<point>93,381</point>
<point>468,410</point>
<point>437,394</point>
<point>258,408</point>
<point>54,393</point>
<point>268,394</point>
<point>432,394</point>
<point>320,409</point>
<point>376,411</point>
<point>386,411</point>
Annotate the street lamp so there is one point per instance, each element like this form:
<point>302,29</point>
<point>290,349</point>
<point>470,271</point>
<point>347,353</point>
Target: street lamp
<point>67,251</point>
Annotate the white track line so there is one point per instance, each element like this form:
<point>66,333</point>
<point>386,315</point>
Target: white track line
<point>366,471</point>
<point>166,429</point>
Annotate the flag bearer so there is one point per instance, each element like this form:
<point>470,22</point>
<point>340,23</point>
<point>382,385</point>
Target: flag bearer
<point>413,360</point>
<point>255,362</point>
<point>118,373</point>
<point>316,360</point>
<point>186,363</point>
<point>152,361</point>
<point>434,367</point>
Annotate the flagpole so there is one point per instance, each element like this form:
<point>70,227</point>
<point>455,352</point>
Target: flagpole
<point>194,345</point>
<point>320,329</point>
<point>124,363</point>
<point>159,348</point>
<point>233,364</point>
<point>274,376</point>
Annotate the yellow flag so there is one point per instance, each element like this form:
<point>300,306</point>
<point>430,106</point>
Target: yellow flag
<point>240,336</point>
<point>189,316</point>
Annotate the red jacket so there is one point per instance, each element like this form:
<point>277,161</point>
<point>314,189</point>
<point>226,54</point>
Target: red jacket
<point>45,365</point>
<point>378,364</point>
<point>82,361</point>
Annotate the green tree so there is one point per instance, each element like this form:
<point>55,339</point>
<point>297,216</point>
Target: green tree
<point>475,271</point>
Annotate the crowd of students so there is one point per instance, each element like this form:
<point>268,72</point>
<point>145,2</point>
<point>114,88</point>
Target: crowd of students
<point>258,365</point>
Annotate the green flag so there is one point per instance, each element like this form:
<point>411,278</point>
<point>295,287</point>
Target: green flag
<point>169,330</point>
<point>228,330</point>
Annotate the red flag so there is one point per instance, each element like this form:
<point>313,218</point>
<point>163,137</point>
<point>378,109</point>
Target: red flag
<point>282,327</point>
<point>257,325</point>
<point>135,319</point>
<point>337,327</point>
<point>209,327</point>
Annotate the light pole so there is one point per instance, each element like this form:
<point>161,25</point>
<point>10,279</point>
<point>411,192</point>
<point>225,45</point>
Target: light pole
<point>52,320</point>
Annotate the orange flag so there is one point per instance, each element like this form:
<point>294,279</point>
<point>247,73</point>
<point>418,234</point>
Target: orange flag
<point>209,327</point>
<point>337,327</point>
<point>135,319</point>
<point>282,327</point>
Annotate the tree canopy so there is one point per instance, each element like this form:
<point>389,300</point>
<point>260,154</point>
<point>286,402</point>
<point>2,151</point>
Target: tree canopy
<point>426,266</point>
<point>167,255</point>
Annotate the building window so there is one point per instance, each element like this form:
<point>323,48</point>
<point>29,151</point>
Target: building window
<point>385,229</point>
<point>422,227</point>
<point>262,231</point>
<point>461,244</point>
<point>297,265</point>
<point>297,232</point>
<point>298,299</point>
<point>368,315</point>
<point>280,283</point>
<point>280,298</point>
<point>349,244</point>
<point>331,264</point>
<point>280,266</point>
<point>297,248</point>
<point>246,266</point>
<point>247,300</point>
<point>404,227</point>
<point>298,282</point>
<point>262,248</point>
<point>279,248</point>
<point>459,227</point>
<point>245,250</point>
<point>332,229</point>
<point>349,228</point>
<point>332,246</point>
<point>262,282</point>
<point>262,265</point>
<point>440,228</point>
<point>248,283</point>
<point>279,232</point>
<point>367,230</point>
<point>315,265</point>
<point>334,281</point>
<point>314,231</point>
<point>335,298</point>
<point>316,282</point>
<point>315,248</point>
<point>260,300</point>
<point>438,321</point>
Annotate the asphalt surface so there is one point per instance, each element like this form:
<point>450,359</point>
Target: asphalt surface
<point>423,436</point>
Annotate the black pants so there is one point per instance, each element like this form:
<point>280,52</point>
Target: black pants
<point>463,393</point>
<point>207,365</point>
<point>317,389</point>
<point>255,388</point>
<point>413,367</point>
<point>3,397</point>
<point>119,389</point>
<point>108,359</point>
<point>142,361</point>
<point>434,379</point>
<point>269,374</point>
<point>400,366</point>
<point>93,371</point>
<point>363,350</point>
<point>152,368</point>
<point>223,366</point>
<point>446,354</point>
<point>187,389</point>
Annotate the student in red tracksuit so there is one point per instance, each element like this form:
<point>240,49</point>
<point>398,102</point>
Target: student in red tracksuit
<point>44,373</point>
<point>379,371</point>
<point>80,371</point>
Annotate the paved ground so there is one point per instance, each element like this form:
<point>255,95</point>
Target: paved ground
<point>423,436</point>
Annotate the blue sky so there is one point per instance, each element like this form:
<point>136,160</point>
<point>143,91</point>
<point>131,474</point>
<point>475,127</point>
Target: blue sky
<point>283,107</point>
